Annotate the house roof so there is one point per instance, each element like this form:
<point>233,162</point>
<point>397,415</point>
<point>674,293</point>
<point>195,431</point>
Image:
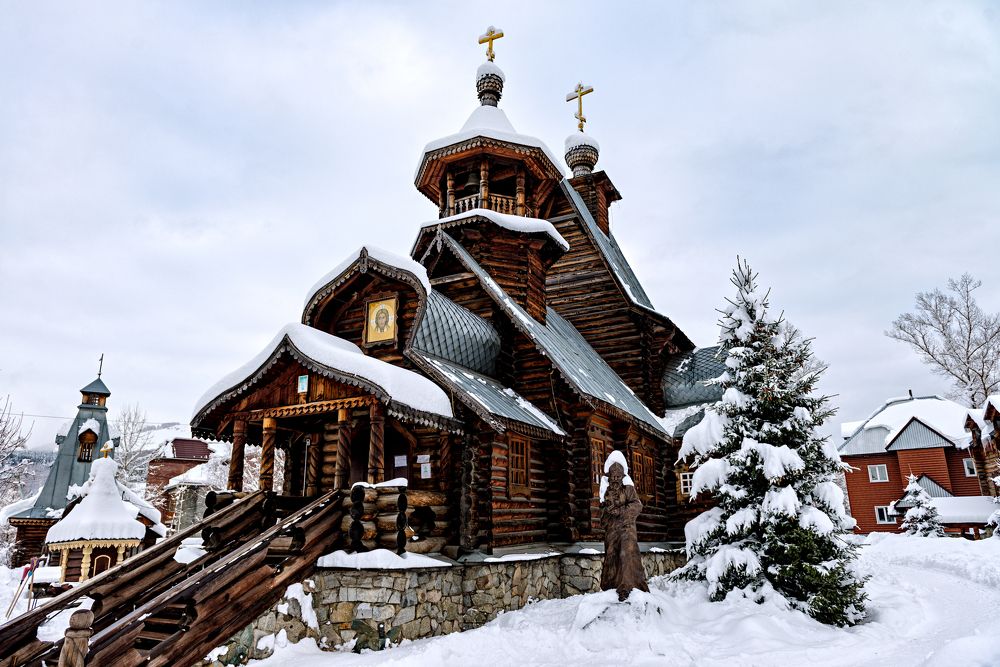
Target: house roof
<point>101,514</point>
<point>685,377</point>
<point>337,358</point>
<point>188,448</point>
<point>926,420</point>
<point>449,331</point>
<point>584,369</point>
<point>965,509</point>
<point>933,489</point>
<point>97,387</point>
<point>487,397</point>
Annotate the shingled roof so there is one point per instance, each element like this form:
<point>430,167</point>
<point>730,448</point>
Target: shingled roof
<point>686,376</point>
<point>449,331</point>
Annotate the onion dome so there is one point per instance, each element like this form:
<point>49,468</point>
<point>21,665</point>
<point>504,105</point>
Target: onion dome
<point>489,83</point>
<point>582,152</point>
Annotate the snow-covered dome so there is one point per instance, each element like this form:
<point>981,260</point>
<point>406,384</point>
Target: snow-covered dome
<point>581,139</point>
<point>102,514</point>
<point>489,68</point>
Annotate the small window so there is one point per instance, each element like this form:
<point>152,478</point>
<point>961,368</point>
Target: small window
<point>87,441</point>
<point>687,482</point>
<point>517,460</point>
<point>303,384</point>
<point>642,474</point>
<point>878,473</point>
<point>882,514</point>
<point>970,467</point>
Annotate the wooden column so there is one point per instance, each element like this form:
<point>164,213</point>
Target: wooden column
<point>519,193</point>
<point>85,563</point>
<point>342,478</point>
<point>451,193</point>
<point>236,460</point>
<point>267,454</point>
<point>313,455</point>
<point>484,183</point>
<point>376,446</point>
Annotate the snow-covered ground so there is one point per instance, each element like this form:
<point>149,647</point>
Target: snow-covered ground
<point>933,602</point>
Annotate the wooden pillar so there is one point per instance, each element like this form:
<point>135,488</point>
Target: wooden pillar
<point>519,193</point>
<point>342,478</point>
<point>121,553</point>
<point>85,563</point>
<point>267,454</point>
<point>451,193</point>
<point>63,560</point>
<point>376,445</point>
<point>74,649</point>
<point>236,460</point>
<point>313,455</point>
<point>484,183</point>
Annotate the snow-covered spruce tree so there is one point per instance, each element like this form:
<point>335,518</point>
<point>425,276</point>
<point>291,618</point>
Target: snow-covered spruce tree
<point>922,517</point>
<point>779,519</point>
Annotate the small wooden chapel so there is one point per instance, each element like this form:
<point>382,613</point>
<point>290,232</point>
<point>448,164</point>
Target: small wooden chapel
<point>496,366</point>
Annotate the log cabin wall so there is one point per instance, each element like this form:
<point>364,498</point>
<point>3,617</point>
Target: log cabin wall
<point>29,539</point>
<point>520,511</point>
<point>513,261</point>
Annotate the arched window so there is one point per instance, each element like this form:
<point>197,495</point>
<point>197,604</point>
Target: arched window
<point>87,441</point>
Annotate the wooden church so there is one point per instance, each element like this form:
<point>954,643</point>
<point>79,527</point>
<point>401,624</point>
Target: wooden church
<point>497,365</point>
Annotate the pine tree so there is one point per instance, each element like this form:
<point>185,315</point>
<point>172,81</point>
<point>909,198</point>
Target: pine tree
<point>779,516</point>
<point>922,517</point>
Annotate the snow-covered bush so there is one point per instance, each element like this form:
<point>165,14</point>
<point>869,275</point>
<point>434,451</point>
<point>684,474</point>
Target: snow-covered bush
<point>922,517</point>
<point>779,515</point>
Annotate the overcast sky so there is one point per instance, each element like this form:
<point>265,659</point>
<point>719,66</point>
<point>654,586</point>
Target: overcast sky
<point>174,177</point>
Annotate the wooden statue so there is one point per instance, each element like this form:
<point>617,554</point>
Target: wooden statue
<point>620,507</point>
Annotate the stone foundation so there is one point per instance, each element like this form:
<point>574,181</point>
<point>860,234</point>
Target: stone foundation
<point>426,602</point>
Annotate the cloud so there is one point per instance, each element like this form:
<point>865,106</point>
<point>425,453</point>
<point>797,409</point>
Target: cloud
<point>173,176</point>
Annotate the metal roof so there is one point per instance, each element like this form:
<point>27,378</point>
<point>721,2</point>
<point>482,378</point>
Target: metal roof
<point>449,331</point>
<point>866,441</point>
<point>917,435</point>
<point>584,369</point>
<point>609,249</point>
<point>490,395</point>
<point>97,387</point>
<point>685,376</point>
<point>933,489</point>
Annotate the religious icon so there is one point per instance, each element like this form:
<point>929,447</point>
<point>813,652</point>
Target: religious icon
<point>381,323</point>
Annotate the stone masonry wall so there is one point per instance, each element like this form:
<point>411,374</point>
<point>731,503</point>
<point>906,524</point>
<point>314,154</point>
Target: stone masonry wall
<point>425,602</point>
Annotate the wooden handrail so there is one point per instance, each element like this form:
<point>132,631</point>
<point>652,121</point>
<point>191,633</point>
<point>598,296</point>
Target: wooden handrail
<point>229,593</point>
<point>145,573</point>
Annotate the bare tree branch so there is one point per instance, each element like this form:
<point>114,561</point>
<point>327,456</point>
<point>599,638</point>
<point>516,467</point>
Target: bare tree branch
<point>953,336</point>
<point>135,446</point>
<point>14,469</point>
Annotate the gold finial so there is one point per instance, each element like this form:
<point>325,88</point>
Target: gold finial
<point>577,95</point>
<point>107,448</point>
<point>487,38</point>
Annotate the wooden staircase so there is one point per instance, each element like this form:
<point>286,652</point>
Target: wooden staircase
<point>153,610</point>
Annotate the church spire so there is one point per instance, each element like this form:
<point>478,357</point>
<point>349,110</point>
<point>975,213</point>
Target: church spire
<point>582,150</point>
<point>489,77</point>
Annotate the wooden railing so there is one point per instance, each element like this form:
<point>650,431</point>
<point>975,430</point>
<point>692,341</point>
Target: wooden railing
<point>498,203</point>
<point>183,623</point>
<point>229,520</point>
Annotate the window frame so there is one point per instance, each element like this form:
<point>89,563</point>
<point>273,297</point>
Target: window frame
<point>687,482</point>
<point>890,519</point>
<point>876,466</point>
<point>598,453</point>
<point>518,466</point>
<point>965,465</point>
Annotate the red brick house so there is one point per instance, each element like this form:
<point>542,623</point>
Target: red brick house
<point>925,436</point>
<point>179,456</point>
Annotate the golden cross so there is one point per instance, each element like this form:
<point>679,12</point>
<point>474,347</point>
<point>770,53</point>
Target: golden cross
<point>577,95</point>
<point>487,38</point>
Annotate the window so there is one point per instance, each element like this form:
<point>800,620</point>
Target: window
<point>598,452</point>
<point>687,482</point>
<point>87,441</point>
<point>882,514</point>
<point>970,467</point>
<point>878,473</point>
<point>303,384</point>
<point>517,461</point>
<point>642,474</point>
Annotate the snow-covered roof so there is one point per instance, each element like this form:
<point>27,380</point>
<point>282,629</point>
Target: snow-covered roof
<point>341,358</point>
<point>992,404</point>
<point>490,122</point>
<point>17,507</point>
<point>91,425</point>
<point>932,414</point>
<point>515,223</point>
<point>847,429</point>
<point>386,257</point>
<point>965,509</point>
<point>102,514</point>
<point>477,390</point>
<point>487,68</point>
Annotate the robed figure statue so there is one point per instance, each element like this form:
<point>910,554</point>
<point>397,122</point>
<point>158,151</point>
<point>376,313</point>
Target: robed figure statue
<point>620,507</point>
